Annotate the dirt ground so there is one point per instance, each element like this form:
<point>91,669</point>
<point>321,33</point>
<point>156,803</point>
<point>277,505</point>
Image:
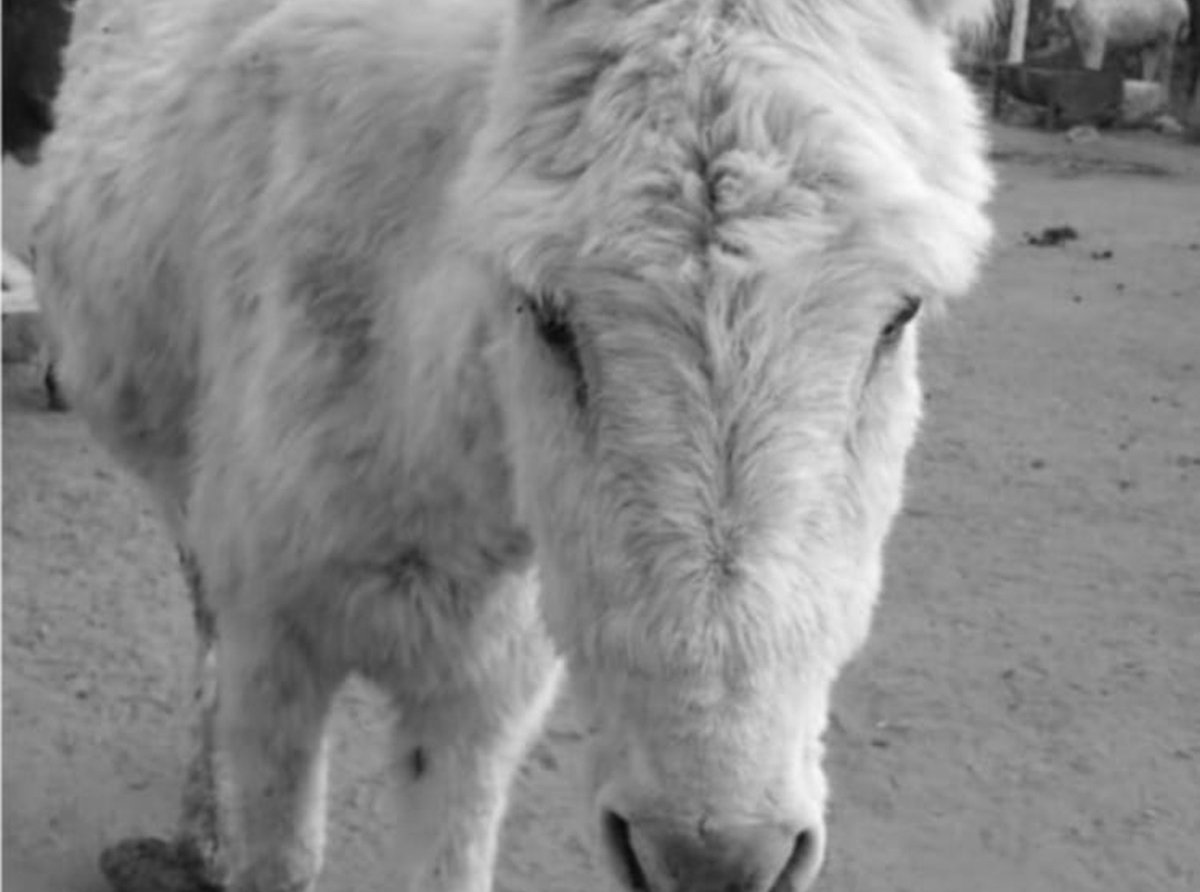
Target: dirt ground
<point>1026,717</point>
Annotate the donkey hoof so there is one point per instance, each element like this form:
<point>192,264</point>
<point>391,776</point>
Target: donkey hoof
<point>154,865</point>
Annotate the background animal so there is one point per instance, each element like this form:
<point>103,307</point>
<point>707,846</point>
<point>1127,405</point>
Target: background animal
<point>1097,25</point>
<point>1157,25</point>
<point>459,343</point>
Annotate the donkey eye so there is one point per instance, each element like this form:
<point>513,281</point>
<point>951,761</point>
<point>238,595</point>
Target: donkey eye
<point>554,329</point>
<point>895,328</point>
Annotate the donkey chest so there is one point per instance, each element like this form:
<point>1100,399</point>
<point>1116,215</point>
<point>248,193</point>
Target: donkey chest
<point>420,608</point>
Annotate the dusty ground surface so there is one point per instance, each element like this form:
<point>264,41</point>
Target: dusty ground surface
<point>1026,717</point>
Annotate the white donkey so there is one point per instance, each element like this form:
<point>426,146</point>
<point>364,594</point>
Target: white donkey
<point>457,339</point>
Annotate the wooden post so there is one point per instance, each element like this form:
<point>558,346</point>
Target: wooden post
<point>1193,112</point>
<point>1018,33</point>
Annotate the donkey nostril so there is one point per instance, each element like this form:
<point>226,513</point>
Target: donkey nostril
<point>804,864</point>
<point>620,848</point>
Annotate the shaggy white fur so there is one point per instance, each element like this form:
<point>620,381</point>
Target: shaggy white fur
<point>401,309</point>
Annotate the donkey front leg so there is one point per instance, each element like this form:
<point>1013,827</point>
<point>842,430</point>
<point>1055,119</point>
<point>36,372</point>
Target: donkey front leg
<point>199,839</point>
<point>454,761</point>
<point>192,861</point>
<point>274,702</point>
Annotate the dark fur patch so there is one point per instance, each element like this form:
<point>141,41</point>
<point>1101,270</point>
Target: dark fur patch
<point>55,401</point>
<point>577,84</point>
<point>129,405</point>
<point>559,105</point>
<point>409,567</point>
<point>206,624</point>
<point>418,763</point>
<point>337,297</point>
<point>509,551</point>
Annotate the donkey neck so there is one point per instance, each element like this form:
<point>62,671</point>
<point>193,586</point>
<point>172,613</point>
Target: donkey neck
<point>447,455</point>
<point>445,437</point>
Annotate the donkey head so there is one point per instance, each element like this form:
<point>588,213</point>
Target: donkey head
<point>716,226</point>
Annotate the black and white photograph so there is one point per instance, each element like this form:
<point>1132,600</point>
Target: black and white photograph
<point>601,446</point>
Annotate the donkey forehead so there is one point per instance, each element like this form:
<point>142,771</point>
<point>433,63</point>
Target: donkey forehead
<point>714,145</point>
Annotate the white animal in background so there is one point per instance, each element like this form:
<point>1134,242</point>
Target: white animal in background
<point>1097,25</point>
<point>458,339</point>
<point>1100,24</point>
